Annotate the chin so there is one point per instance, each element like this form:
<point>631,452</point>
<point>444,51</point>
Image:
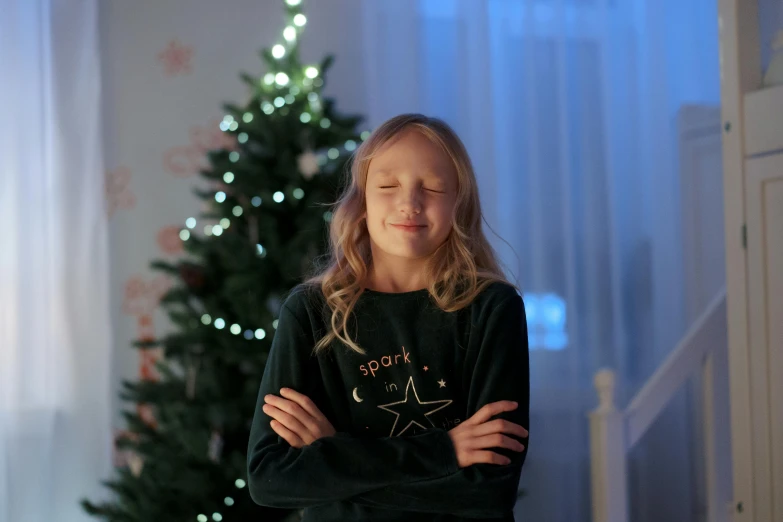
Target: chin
<point>410,253</point>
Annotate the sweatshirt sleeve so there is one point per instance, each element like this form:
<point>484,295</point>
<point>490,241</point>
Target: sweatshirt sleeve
<point>331,468</point>
<point>501,372</point>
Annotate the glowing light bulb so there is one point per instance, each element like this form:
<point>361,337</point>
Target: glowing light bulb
<point>289,33</point>
<point>281,78</point>
<point>278,51</point>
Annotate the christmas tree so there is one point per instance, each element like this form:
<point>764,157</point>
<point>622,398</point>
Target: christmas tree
<point>265,222</point>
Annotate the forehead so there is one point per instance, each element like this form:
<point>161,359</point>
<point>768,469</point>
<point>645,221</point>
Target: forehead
<point>411,152</point>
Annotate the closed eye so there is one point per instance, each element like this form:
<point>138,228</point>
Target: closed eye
<point>429,190</point>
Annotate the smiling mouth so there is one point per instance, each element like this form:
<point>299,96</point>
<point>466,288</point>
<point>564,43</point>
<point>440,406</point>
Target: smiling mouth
<point>409,228</point>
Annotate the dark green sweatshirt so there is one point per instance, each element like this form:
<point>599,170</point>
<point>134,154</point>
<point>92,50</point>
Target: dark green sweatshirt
<point>425,371</point>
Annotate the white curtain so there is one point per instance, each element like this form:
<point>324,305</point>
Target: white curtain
<point>55,394</point>
<point>568,108</point>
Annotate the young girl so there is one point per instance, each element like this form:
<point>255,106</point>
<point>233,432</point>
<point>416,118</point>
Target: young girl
<point>397,384</point>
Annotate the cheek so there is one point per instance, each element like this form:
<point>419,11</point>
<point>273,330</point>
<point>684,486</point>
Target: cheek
<point>444,214</point>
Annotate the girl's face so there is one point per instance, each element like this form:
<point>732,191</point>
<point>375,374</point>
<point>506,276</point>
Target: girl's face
<point>411,193</point>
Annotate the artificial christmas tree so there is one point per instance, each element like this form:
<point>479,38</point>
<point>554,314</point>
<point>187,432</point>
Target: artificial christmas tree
<point>266,222</point>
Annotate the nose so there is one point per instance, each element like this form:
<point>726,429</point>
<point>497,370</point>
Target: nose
<point>410,201</point>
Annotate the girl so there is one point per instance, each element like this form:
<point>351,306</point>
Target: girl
<point>397,384</point>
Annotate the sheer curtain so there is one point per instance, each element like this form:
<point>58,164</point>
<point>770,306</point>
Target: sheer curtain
<point>55,436</point>
<point>568,108</point>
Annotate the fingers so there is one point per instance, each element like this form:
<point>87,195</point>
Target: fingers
<point>497,440</point>
<point>299,414</point>
<point>302,400</point>
<point>488,411</point>
<point>290,437</point>
<point>500,426</point>
<point>285,412</point>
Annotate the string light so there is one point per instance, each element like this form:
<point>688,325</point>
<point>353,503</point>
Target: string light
<point>184,235</point>
<point>220,196</point>
<point>289,33</point>
<point>282,79</point>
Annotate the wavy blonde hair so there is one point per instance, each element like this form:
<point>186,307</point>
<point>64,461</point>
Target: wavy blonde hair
<point>459,269</point>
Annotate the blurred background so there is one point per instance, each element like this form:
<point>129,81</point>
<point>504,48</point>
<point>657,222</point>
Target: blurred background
<point>595,131</point>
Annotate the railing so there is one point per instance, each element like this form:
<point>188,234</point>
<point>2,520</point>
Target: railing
<point>613,433</point>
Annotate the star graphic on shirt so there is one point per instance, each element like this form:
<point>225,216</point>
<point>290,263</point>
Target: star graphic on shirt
<point>426,368</point>
<point>442,383</point>
<point>408,410</point>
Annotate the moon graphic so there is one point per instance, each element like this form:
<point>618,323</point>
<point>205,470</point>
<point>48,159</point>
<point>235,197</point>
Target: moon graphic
<point>356,395</point>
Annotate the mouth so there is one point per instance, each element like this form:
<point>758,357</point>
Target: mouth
<point>409,228</point>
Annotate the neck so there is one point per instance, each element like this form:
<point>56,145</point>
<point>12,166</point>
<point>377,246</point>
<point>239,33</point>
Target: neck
<point>405,276</point>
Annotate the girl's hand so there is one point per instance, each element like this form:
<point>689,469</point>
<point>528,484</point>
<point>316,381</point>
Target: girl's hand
<point>296,418</point>
<point>472,437</point>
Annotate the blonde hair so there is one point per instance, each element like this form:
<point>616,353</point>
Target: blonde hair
<point>459,269</point>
